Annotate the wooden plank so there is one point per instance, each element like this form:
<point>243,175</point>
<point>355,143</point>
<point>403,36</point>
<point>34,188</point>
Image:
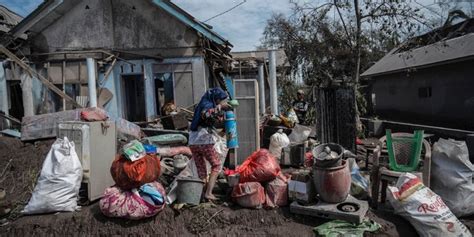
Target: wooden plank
<point>32,72</point>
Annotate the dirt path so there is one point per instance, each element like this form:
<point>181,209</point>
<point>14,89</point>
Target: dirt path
<point>26,161</point>
<point>189,222</point>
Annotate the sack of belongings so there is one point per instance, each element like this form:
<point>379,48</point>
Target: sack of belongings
<point>359,184</point>
<point>251,195</point>
<point>261,166</point>
<point>58,186</point>
<point>276,192</point>
<point>278,141</point>
<point>135,204</point>
<point>452,175</point>
<point>128,174</point>
<point>424,209</point>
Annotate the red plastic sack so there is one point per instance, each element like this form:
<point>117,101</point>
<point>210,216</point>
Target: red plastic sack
<point>251,194</point>
<point>127,204</point>
<point>276,192</point>
<point>128,174</point>
<point>94,114</point>
<point>308,159</point>
<point>261,166</point>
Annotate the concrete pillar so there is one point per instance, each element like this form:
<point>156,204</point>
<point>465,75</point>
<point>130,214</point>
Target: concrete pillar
<point>3,90</point>
<point>261,87</point>
<point>27,94</point>
<point>273,82</point>
<point>91,79</point>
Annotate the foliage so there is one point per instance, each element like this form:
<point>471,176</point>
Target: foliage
<point>334,49</point>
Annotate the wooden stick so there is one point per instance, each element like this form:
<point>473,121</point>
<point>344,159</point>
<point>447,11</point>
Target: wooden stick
<point>6,167</point>
<point>10,118</point>
<point>32,72</point>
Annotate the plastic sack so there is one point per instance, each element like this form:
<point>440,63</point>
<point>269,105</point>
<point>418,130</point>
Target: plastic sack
<point>220,146</point>
<point>166,139</point>
<point>94,114</point>
<point>424,209</point>
<point>250,194</point>
<point>117,202</point>
<point>343,228</point>
<point>58,186</point>
<point>128,175</point>
<point>173,151</point>
<point>299,134</point>
<point>278,141</point>
<point>261,166</point>
<point>359,184</point>
<point>452,174</point>
<point>276,192</point>
<point>292,117</point>
<point>134,150</point>
<point>308,159</point>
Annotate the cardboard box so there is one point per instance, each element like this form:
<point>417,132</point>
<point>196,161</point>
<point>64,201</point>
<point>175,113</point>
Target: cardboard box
<point>301,187</point>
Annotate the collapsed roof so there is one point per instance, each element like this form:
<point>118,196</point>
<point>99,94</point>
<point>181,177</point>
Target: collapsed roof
<point>444,45</point>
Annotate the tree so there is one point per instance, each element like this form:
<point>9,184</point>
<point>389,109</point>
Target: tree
<point>338,47</point>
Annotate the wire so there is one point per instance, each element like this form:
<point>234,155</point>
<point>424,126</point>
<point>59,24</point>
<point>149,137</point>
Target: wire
<point>226,11</point>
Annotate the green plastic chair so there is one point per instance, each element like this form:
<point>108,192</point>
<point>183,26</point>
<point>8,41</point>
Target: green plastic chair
<point>404,151</point>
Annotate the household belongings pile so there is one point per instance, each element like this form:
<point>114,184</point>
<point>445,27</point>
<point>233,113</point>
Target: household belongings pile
<point>261,182</point>
<point>136,193</point>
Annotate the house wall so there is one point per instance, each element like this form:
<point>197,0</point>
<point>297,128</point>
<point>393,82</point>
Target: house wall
<point>451,103</point>
<point>145,67</point>
<point>118,24</point>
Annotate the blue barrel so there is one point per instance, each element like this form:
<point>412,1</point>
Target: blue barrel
<point>231,130</point>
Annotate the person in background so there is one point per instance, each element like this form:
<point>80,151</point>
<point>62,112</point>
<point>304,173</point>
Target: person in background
<point>300,106</point>
<point>208,112</point>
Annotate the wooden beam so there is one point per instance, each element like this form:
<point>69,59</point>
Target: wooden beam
<point>32,72</point>
<point>63,70</point>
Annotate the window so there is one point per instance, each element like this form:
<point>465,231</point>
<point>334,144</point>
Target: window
<point>424,92</point>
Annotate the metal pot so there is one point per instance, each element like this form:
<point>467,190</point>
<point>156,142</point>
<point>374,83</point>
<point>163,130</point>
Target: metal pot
<point>321,159</point>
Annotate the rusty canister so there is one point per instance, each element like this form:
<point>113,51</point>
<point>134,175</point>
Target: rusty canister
<point>333,184</point>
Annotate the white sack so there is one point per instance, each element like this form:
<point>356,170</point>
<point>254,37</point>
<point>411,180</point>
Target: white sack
<point>278,141</point>
<point>58,186</point>
<point>424,209</point>
<point>451,176</point>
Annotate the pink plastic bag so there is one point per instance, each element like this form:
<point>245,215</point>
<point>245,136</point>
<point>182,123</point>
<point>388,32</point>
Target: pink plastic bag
<point>94,114</point>
<point>261,166</point>
<point>127,204</point>
<point>276,192</point>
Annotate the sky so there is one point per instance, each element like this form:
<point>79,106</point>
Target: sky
<point>242,26</point>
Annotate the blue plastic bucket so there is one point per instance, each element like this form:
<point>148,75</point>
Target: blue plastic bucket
<point>231,130</point>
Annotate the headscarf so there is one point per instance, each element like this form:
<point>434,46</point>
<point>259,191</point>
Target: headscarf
<point>208,101</point>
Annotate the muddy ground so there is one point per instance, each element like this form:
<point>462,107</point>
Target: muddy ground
<point>18,179</point>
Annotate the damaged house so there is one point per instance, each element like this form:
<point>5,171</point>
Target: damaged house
<point>427,80</point>
<point>140,55</point>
